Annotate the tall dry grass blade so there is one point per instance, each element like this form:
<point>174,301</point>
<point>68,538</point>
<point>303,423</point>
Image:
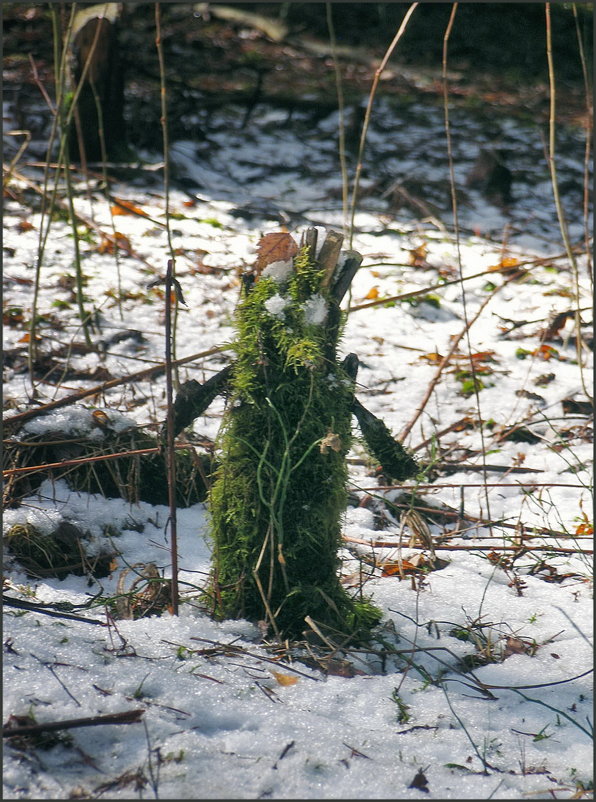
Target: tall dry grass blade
<point>454,205</point>
<point>552,165</point>
<point>166,171</point>
<point>84,316</point>
<point>588,148</point>
<point>371,98</point>
<point>106,187</point>
<point>342,123</point>
<point>170,454</point>
<point>47,203</point>
<point>63,112</point>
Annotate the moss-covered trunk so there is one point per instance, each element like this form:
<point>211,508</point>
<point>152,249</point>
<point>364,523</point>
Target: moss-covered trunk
<point>280,491</point>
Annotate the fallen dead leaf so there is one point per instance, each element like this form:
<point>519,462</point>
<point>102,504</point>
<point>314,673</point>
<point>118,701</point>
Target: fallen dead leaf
<point>432,358</point>
<point>109,245</point>
<point>284,679</point>
<point>372,294</point>
<point>278,246</point>
<point>418,256</point>
<point>126,207</point>
<point>397,567</point>
<point>506,265</point>
<point>517,646</point>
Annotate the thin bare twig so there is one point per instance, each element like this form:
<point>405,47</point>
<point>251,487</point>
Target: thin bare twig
<point>146,373</point>
<point>445,361</point>
<point>166,172</point>
<point>387,544</point>
<point>406,296</point>
<point>170,454</point>
<point>126,717</point>
<point>41,608</point>
<point>69,463</point>
<point>473,484</point>
<point>552,164</point>
<point>588,148</point>
<point>377,77</point>
<point>342,127</point>
<point>475,382</point>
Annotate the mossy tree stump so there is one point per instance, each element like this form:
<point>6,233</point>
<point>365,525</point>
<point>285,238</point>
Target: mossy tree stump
<point>280,491</point>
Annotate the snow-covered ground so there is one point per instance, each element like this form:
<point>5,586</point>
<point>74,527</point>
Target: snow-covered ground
<point>478,684</point>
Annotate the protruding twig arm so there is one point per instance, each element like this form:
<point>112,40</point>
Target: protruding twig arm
<point>194,398</point>
<point>393,457</point>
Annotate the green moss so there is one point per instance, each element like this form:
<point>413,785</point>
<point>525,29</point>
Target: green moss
<point>280,490</point>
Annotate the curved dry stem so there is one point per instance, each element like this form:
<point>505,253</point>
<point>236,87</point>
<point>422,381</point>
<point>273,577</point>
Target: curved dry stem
<point>588,147</point>
<point>458,244</point>
<point>166,172</point>
<point>552,165</point>
<point>369,106</point>
<point>342,126</point>
<point>445,361</point>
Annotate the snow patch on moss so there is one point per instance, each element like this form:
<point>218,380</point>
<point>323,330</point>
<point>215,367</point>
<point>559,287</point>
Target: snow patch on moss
<point>315,310</point>
<point>279,271</point>
<point>276,305</point>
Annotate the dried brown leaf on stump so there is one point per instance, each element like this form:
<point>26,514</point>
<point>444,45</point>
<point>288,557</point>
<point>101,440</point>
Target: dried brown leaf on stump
<point>275,247</point>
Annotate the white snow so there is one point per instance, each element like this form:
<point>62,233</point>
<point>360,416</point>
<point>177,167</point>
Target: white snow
<point>276,305</point>
<point>315,310</point>
<point>79,420</point>
<point>279,271</point>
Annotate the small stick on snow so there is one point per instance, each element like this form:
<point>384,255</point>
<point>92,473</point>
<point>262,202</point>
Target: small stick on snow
<point>126,717</point>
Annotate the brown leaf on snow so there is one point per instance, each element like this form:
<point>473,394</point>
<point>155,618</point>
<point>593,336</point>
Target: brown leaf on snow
<point>418,256</point>
<point>507,265</point>
<point>518,646</point>
<point>121,206</point>
<point>397,567</point>
<point>337,667</point>
<point>372,294</point>
<point>110,244</point>
<point>284,679</point>
<point>556,324</point>
<point>100,419</point>
<point>433,358</point>
<point>275,247</point>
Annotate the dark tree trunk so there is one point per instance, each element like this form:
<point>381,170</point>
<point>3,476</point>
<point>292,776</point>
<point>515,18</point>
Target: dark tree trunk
<point>100,107</point>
